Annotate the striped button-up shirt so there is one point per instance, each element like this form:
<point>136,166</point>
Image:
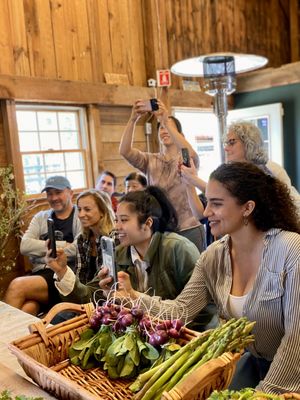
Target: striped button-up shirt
<point>273,302</point>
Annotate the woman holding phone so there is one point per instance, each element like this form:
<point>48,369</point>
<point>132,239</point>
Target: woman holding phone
<point>157,259</point>
<point>97,220</point>
<point>162,168</point>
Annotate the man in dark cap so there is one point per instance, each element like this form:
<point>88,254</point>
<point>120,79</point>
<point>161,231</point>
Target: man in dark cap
<point>37,292</point>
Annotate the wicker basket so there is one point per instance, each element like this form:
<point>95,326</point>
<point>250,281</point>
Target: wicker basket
<point>216,374</point>
<point>44,357</point>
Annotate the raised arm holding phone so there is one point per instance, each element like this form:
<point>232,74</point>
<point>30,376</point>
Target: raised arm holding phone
<point>162,168</point>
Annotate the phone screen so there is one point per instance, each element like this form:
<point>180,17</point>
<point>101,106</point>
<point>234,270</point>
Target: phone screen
<point>151,105</point>
<point>109,257</point>
<point>51,237</point>
<point>185,157</point>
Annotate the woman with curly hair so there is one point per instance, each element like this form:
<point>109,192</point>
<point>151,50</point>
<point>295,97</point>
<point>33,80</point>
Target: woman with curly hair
<point>252,271</point>
<point>243,142</point>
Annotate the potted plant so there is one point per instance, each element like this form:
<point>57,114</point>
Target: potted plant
<point>13,207</point>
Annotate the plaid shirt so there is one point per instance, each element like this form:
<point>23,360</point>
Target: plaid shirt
<point>83,268</point>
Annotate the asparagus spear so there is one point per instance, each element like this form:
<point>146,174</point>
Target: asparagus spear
<point>143,383</point>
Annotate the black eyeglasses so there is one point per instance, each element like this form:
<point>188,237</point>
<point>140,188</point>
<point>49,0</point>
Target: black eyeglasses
<point>229,142</point>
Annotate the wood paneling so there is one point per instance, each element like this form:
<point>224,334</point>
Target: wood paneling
<point>82,39</point>
<point>47,90</point>
<point>270,77</point>
<point>40,38</point>
<point>195,27</point>
<point>294,13</point>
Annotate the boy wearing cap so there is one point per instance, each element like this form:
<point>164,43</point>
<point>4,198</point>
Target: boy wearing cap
<point>29,292</point>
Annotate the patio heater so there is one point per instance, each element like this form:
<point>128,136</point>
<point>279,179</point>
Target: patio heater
<point>219,72</point>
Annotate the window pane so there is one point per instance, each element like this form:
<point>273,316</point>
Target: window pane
<point>33,164</point>
<point>77,179</point>
<point>26,120</point>
<point>54,162</point>
<point>29,141</point>
<point>49,141</point>
<point>34,184</point>
<point>55,143</point>
<point>73,161</point>
<point>47,121</point>
<point>69,140</point>
<point>67,121</point>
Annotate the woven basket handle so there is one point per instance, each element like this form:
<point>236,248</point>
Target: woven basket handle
<point>80,308</point>
<point>40,327</point>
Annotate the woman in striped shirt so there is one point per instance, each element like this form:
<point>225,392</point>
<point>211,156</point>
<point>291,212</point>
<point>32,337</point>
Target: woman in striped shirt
<point>253,271</point>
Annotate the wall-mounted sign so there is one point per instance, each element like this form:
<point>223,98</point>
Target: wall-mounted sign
<point>116,79</point>
<point>192,86</point>
<point>163,77</point>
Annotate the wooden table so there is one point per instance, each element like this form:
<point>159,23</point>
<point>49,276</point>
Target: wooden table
<point>13,325</point>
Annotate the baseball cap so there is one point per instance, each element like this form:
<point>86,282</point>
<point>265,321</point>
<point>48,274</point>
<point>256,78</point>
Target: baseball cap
<point>57,182</point>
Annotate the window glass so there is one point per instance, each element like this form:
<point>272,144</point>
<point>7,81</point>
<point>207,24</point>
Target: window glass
<point>73,161</point>
<point>52,142</point>
<point>26,121</point>
<point>67,121</point>
<point>49,140</point>
<point>47,121</point>
<point>29,141</point>
<point>69,140</point>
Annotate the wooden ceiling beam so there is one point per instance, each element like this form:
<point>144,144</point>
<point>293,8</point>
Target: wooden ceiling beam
<point>74,92</point>
<point>269,77</point>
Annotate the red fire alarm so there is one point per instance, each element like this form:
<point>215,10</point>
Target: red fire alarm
<point>163,77</point>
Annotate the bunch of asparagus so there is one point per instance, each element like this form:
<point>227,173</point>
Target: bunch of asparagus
<point>233,336</point>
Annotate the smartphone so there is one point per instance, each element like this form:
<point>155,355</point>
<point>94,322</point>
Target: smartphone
<point>51,237</point>
<point>151,105</point>
<point>109,256</point>
<point>185,157</point>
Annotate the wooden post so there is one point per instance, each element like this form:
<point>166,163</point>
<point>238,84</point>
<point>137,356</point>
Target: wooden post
<point>95,139</point>
<point>8,109</point>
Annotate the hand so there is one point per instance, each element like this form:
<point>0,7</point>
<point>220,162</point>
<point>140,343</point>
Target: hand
<point>124,291</point>
<point>138,110</point>
<point>162,113</point>
<point>58,264</point>
<point>105,281</point>
<point>188,174</point>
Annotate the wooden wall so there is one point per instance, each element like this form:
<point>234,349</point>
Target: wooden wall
<point>83,39</point>
<point>58,51</point>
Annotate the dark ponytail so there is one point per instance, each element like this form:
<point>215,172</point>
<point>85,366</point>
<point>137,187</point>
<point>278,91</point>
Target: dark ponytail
<point>153,202</point>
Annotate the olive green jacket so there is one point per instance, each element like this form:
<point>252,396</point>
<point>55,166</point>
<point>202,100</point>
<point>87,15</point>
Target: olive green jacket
<point>171,259</point>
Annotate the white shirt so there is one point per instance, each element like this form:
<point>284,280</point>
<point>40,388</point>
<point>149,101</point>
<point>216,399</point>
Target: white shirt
<point>141,270</point>
<point>236,305</point>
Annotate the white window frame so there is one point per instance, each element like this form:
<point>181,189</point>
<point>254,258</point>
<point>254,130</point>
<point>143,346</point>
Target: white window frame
<point>84,137</point>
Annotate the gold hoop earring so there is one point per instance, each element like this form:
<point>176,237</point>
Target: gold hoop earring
<point>245,220</point>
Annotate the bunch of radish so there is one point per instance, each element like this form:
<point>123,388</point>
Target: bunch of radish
<point>157,333</point>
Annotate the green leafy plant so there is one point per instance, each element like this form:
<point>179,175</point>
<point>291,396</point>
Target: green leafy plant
<point>6,395</point>
<point>13,207</point>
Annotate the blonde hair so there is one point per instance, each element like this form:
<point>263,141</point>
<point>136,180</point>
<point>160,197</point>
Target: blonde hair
<point>103,202</point>
<point>251,137</point>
